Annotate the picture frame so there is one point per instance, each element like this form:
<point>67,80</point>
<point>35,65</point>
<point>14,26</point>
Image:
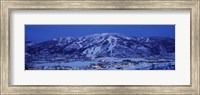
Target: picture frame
<point>8,5</point>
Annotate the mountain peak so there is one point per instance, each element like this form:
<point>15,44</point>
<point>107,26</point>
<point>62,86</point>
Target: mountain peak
<point>106,45</point>
<point>107,35</point>
<point>62,38</point>
<point>104,34</point>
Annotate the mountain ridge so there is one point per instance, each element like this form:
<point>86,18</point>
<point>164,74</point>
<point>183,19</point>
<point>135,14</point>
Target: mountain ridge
<point>104,45</point>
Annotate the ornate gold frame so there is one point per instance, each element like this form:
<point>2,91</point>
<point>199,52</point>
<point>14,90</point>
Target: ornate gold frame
<point>8,5</point>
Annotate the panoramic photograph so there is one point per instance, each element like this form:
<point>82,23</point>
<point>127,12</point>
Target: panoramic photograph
<point>99,47</point>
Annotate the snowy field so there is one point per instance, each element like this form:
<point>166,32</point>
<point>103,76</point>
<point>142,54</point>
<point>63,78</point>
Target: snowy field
<point>72,64</point>
<point>107,63</point>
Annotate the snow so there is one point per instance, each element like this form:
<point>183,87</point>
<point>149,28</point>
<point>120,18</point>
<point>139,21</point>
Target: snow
<point>147,40</point>
<point>62,41</point>
<point>92,35</point>
<point>114,59</point>
<point>55,39</point>
<point>142,48</point>
<point>104,34</point>
<point>141,65</point>
<point>112,44</point>
<point>72,64</point>
<point>72,46</point>
<point>110,59</point>
<point>27,54</point>
<point>91,52</point>
<point>110,63</point>
<point>86,63</point>
<point>30,44</point>
<point>162,50</point>
<point>59,42</point>
<point>69,39</point>
<point>80,45</point>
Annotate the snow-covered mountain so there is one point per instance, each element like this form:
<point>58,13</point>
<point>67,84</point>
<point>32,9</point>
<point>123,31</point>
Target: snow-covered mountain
<point>29,43</point>
<point>104,45</point>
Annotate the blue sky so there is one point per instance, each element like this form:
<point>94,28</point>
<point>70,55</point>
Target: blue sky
<point>40,33</point>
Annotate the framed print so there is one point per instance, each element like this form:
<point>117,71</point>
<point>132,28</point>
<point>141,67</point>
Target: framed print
<point>100,47</point>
